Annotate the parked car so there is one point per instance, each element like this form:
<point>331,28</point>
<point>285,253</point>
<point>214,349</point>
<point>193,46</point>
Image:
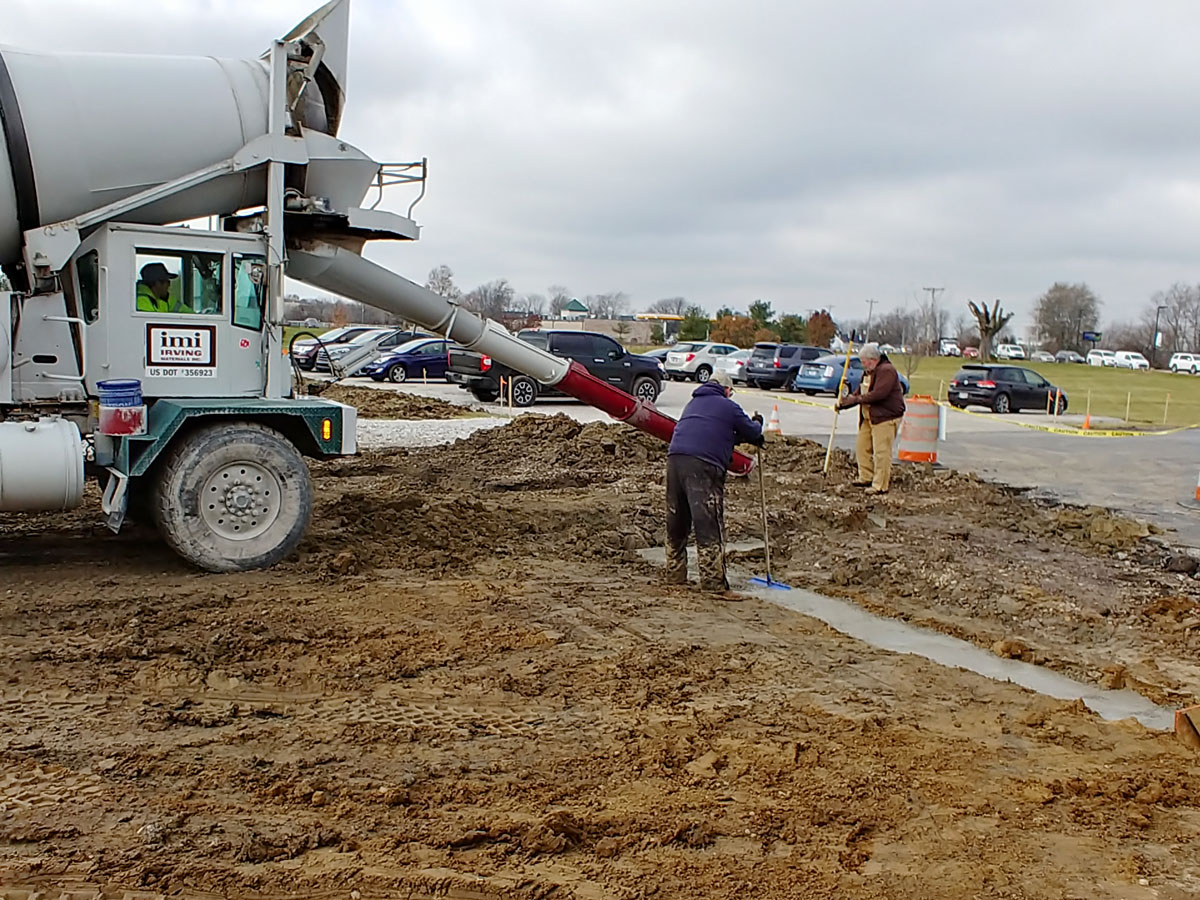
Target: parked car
<point>1185,362</point>
<point>1003,389</point>
<point>888,349</point>
<point>1131,359</point>
<point>1010,351</point>
<point>660,354</point>
<point>823,375</point>
<point>1041,356</point>
<point>695,360</point>
<point>353,355</point>
<point>971,353</point>
<point>1101,358</point>
<point>1068,356</point>
<point>735,365</point>
<point>948,347</point>
<point>419,358</point>
<point>598,353</point>
<point>304,350</point>
<point>774,365</point>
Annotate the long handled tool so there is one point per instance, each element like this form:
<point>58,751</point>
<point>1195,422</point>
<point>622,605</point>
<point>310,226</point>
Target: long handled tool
<point>836,400</point>
<point>767,582</point>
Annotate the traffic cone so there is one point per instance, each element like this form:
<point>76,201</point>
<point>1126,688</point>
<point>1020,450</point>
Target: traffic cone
<point>773,422</point>
<point>1087,422</point>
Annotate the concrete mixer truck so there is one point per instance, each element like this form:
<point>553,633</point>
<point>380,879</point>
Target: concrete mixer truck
<point>148,354</point>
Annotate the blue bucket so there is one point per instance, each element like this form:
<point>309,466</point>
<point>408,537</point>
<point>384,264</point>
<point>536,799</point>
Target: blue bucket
<point>120,392</point>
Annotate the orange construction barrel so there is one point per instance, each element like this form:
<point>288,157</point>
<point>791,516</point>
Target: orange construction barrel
<point>919,430</point>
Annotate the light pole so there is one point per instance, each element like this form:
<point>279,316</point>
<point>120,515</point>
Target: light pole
<point>1154,337</point>
<point>870,312</point>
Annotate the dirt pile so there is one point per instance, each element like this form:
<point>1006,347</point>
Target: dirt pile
<point>383,404</point>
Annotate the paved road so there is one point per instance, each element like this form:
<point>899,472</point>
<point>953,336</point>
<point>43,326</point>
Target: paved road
<point>1147,477</point>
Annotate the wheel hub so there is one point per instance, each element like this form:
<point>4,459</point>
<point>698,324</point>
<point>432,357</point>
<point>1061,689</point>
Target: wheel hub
<point>241,500</point>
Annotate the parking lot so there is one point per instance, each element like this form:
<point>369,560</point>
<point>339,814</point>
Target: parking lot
<point>1147,477</point>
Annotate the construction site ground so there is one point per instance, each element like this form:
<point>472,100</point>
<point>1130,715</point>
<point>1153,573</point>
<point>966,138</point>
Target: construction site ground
<point>469,683</point>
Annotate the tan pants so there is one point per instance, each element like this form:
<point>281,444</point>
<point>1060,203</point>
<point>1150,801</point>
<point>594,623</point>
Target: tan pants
<point>874,452</point>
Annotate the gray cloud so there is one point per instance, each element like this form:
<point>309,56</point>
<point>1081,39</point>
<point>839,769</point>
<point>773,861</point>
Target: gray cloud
<point>810,153</point>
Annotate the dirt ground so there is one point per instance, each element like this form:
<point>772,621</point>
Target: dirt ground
<point>375,404</point>
<point>468,684</point>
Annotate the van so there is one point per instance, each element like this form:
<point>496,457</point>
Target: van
<point>774,365</point>
<point>1185,362</point>
<point>1101,358</point>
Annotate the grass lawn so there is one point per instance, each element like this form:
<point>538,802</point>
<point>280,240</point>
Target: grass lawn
<point>289,330</point>
<point>1145,392</point>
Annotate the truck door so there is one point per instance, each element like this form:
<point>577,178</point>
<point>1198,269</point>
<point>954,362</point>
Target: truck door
<point>610,358</point>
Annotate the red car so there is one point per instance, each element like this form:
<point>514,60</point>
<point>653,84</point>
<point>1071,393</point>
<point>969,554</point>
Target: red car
<point>971,353</point>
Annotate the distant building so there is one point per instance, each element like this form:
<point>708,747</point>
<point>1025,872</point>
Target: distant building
<point>574,310</point>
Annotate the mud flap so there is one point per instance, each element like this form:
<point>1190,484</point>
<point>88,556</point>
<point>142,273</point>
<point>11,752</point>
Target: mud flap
<point>115,502</point>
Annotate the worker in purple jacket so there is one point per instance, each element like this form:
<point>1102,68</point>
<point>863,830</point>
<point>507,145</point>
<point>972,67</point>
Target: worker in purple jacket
<point>701,450</point>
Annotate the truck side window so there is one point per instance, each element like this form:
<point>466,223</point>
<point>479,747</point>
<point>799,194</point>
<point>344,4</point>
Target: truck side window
<point>573,346</point>
<point>87,271</point>
<point>178,281</point>
<point>249,290</point>
<point>606,348</point>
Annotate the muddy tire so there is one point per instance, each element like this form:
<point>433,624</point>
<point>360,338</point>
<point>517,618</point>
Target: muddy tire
<point>1002,404</point>
<point>397,374</point>
<point>703,374</point>
<point>647,389</point>
<point>233,497</point>
<point>524,391</point>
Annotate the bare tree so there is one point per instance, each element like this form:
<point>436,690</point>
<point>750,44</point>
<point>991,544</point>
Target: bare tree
<point>991,322</point>
<point>607,306</point>
<point>669,306</point>
<point>492,299</point>
<point>1064,313</point>
<point>441,282</point>
<point>559,297</point>
<point>932,321</point>
<point>534,304</point>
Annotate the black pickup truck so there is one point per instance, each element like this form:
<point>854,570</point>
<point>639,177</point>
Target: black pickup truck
<point>640,376</point>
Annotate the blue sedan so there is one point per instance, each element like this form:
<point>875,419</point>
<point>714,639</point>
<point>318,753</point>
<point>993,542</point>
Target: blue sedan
<point>822,375</point>
<point>420,358</point>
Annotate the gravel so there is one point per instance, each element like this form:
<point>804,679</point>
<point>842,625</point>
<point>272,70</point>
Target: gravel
<point>377,433</point>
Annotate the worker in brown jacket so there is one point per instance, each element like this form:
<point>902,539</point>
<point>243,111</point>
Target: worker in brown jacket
<point>880,402</point>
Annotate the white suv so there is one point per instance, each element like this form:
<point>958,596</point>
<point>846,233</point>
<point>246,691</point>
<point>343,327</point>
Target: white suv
<point>1010,351</point>
<point>1101,358</point>
<point>1131,359</point>
<point>695,360</point>
<point>1185,362</point>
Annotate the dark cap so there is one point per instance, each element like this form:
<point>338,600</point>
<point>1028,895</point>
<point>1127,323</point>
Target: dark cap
<point>156,271</point>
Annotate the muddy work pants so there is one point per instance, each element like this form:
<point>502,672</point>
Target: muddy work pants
<point>874,452</point>
<point>696,499</point>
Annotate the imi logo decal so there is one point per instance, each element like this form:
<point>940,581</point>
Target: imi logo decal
<point>173,345</point>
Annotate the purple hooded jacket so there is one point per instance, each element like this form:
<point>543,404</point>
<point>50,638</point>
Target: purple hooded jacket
<point>711,425</point>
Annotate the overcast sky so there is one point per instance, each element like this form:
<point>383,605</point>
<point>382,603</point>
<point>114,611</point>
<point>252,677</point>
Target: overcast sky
<point>810,153</point>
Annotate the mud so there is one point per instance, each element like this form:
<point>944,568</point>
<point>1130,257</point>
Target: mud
<point>468,684</point>
<point>379,404</point>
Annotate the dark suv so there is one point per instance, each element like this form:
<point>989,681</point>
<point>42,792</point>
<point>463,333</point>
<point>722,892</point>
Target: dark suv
<point>1004,389</point>
<point>775,365</point>
<point>640,376</point>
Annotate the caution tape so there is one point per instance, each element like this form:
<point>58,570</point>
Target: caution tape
<point>1051,429</point>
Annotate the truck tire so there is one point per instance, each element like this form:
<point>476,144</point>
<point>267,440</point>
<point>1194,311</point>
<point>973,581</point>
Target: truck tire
<point>524,391</point>
<point>646,389</point>
<point>233,497</point>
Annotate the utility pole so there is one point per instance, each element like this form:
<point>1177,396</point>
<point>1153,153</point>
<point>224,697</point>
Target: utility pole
<point>870,312</point>
<point>933,292</point>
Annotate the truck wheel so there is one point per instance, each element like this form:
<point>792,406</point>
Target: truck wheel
<point>646,389</point>
<point>524,391</point>
<point>398,374</point>
<point>483,395</point>
<point>233,497</point>
<point>703,374</point>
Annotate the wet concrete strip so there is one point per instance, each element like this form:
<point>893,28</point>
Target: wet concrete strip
<point>899,637</point>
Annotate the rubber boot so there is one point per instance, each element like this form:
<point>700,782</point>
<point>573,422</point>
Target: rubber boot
<point>676,570</point>
<point>712,568</point>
